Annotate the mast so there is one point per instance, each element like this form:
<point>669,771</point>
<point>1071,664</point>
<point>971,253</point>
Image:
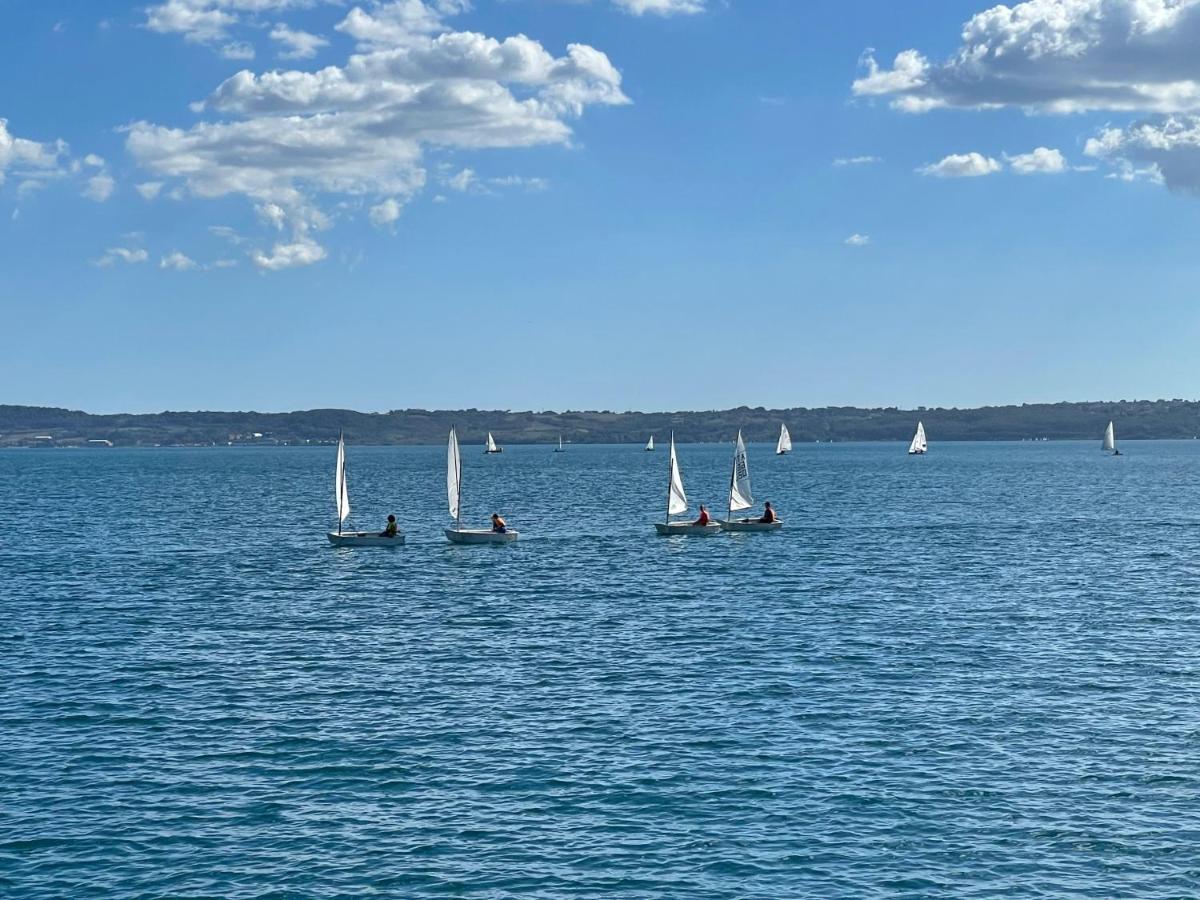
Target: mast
<point>732,480</point>
<point>670,477</point>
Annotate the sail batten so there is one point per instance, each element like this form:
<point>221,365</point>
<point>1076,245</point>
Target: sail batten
<point>740,495</point>
<point>340,488</point>
<point>785,441</point>
<point>677,502</point>
<point>453,474</point>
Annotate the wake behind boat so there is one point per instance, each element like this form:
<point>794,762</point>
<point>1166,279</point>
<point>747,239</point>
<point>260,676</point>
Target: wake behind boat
<point>677,503</point>
<point>458,534</point>
<point>342,538</point>
<point>740,496</point>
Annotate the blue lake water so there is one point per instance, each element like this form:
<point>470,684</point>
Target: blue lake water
<point>972,674</point>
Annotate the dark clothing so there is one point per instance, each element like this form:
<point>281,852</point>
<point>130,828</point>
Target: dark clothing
<point>768,516</point>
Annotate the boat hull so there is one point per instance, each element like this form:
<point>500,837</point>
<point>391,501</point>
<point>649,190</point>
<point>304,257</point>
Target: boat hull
<point>468,536</point>
<point>751,526</point>
<point>671,528</point>
<point>364,539</point>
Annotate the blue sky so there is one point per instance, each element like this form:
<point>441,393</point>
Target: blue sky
<point>399,204</point>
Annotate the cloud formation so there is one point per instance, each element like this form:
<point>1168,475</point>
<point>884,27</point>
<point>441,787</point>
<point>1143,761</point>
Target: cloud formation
<point>122,254</point>
<point>1166,151</point>
<point>661,7</point>
<point>298,44</point>
<point>1056,56</point>
<point>962,165</point>
<point>285,139</point>
<point>1040,161</point>
<point>29,159</point>
<point>177,262</point>
<point>858,240</point>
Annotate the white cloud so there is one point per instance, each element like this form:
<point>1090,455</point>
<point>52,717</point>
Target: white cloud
<point>122,254</point>
<point>177,261</point>
<point>289,138</point>
<point>302,252</point>
<point>209,21</point>
<point>858,240</point>
<point>532,185</point>
<point>462,181</point>
<point>239,50</point>
<point>96,162</point>
<point>30,159</point>
<point>225,233</point>
<point>1042,161</point>
<point>661,7</point>
<point>385,213</point>
<point>299,44</point>
<point>224,263</point>
<point>857,161</point>
<point>99,187</point>
<point>1166,151</point>
<point>149,189</point>
<point>962,165</point>
<point>1056,56</point>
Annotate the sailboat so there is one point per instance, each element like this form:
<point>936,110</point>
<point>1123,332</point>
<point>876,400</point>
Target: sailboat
<point>341,495</point>
<point>740,496</point>
<point>919,445</point>
<point>458,534</point>
<point>785,441</point>
<point>677,503</point>
<point>491,445</point>
<point>1110,442</point>
<point>560,448</point>
<point>650,444</point>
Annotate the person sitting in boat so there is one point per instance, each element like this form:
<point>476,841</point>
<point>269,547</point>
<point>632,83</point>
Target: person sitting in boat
<point>498,524</point>
<point>390,529</point>
<point>768,515</point>
<point>703,518</point>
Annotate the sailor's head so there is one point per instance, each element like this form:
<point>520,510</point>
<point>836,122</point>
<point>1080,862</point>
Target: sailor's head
<point>768,504</point>
<point>391,518</point>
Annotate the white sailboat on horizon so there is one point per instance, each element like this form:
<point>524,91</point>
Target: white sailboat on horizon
<point>458,534</point>
<point>341,493</point>
<point>677,502</point>
<point>740,494</point>
<point>919,444</point>
<point>650,444</point>
<point>785,441</point>
<point>1109,444</point>
<point>492,447</point>
<point>560,448</point>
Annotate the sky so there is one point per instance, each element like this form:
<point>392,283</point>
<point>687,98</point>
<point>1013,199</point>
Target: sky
<point>597,204</point>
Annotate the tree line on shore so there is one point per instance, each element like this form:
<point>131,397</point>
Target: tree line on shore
<point>1136,419</point>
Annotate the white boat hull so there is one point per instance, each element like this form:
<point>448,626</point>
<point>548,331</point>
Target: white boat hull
<point>751,525</point>
<point>469,536</point>
<point>687,528</point>
<point>364,539</point>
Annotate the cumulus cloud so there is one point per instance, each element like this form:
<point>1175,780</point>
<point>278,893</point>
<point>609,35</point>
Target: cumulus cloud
<point>100,187</point>
<point>1041,161</point>
<point>962,165</point>
<point>462,181</point>
<point>286,139</point>
<point>661,7</point>
<point>122,254</point>
<point>298,44</point>
<point>238,50</point>
<point>210,21</point>
<point>30,159</point>
<point>1056,56</point>
<point>858,240</point>
<point>149,189</point>
<point>842,161</point>
<point>177,261</point>
<point>1165,151</point>
<point>385,213</point>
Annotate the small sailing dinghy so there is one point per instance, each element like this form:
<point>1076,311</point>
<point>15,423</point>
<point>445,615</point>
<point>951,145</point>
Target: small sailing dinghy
<point>677,503</point>
<point>740,496</point>
<point>491,445</point>
<point>1110,441</point>
<point>341,538</point>
<point>560,448</point>
<point>458,534</point>
<point>785,441</point>
<point>650,444</point>
<point>919,445</point>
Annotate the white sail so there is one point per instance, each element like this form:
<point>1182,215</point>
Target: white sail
<point>453,474</point>
<point>740,496</point>
<point>341,492</point>
<point>491,443</point>
<point>650,443</point>
<point>1110,441</point>
<point>919,444</point>
<point>677,502</point>
<point>560,446</point>
<point>785,441</point>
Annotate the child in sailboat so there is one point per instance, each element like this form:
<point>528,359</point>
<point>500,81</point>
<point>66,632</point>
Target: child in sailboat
<point>498,524</point>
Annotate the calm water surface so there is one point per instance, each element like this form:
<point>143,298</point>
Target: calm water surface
<point>971,674</point>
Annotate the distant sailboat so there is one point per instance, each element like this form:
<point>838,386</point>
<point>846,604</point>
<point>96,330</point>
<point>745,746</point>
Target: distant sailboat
<point>458,534</point>
<point>677,503</point>
<point>650,444</point>
<point>341,493</point>
<point>560,448</point>
<point>785,441</point>
<point>1109,444</point>
<point>740,495</point>
<point>491,445</point>
<point>919,445</point>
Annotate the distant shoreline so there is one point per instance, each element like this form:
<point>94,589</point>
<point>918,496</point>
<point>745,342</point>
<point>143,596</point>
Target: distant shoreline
<point>31,426</point>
